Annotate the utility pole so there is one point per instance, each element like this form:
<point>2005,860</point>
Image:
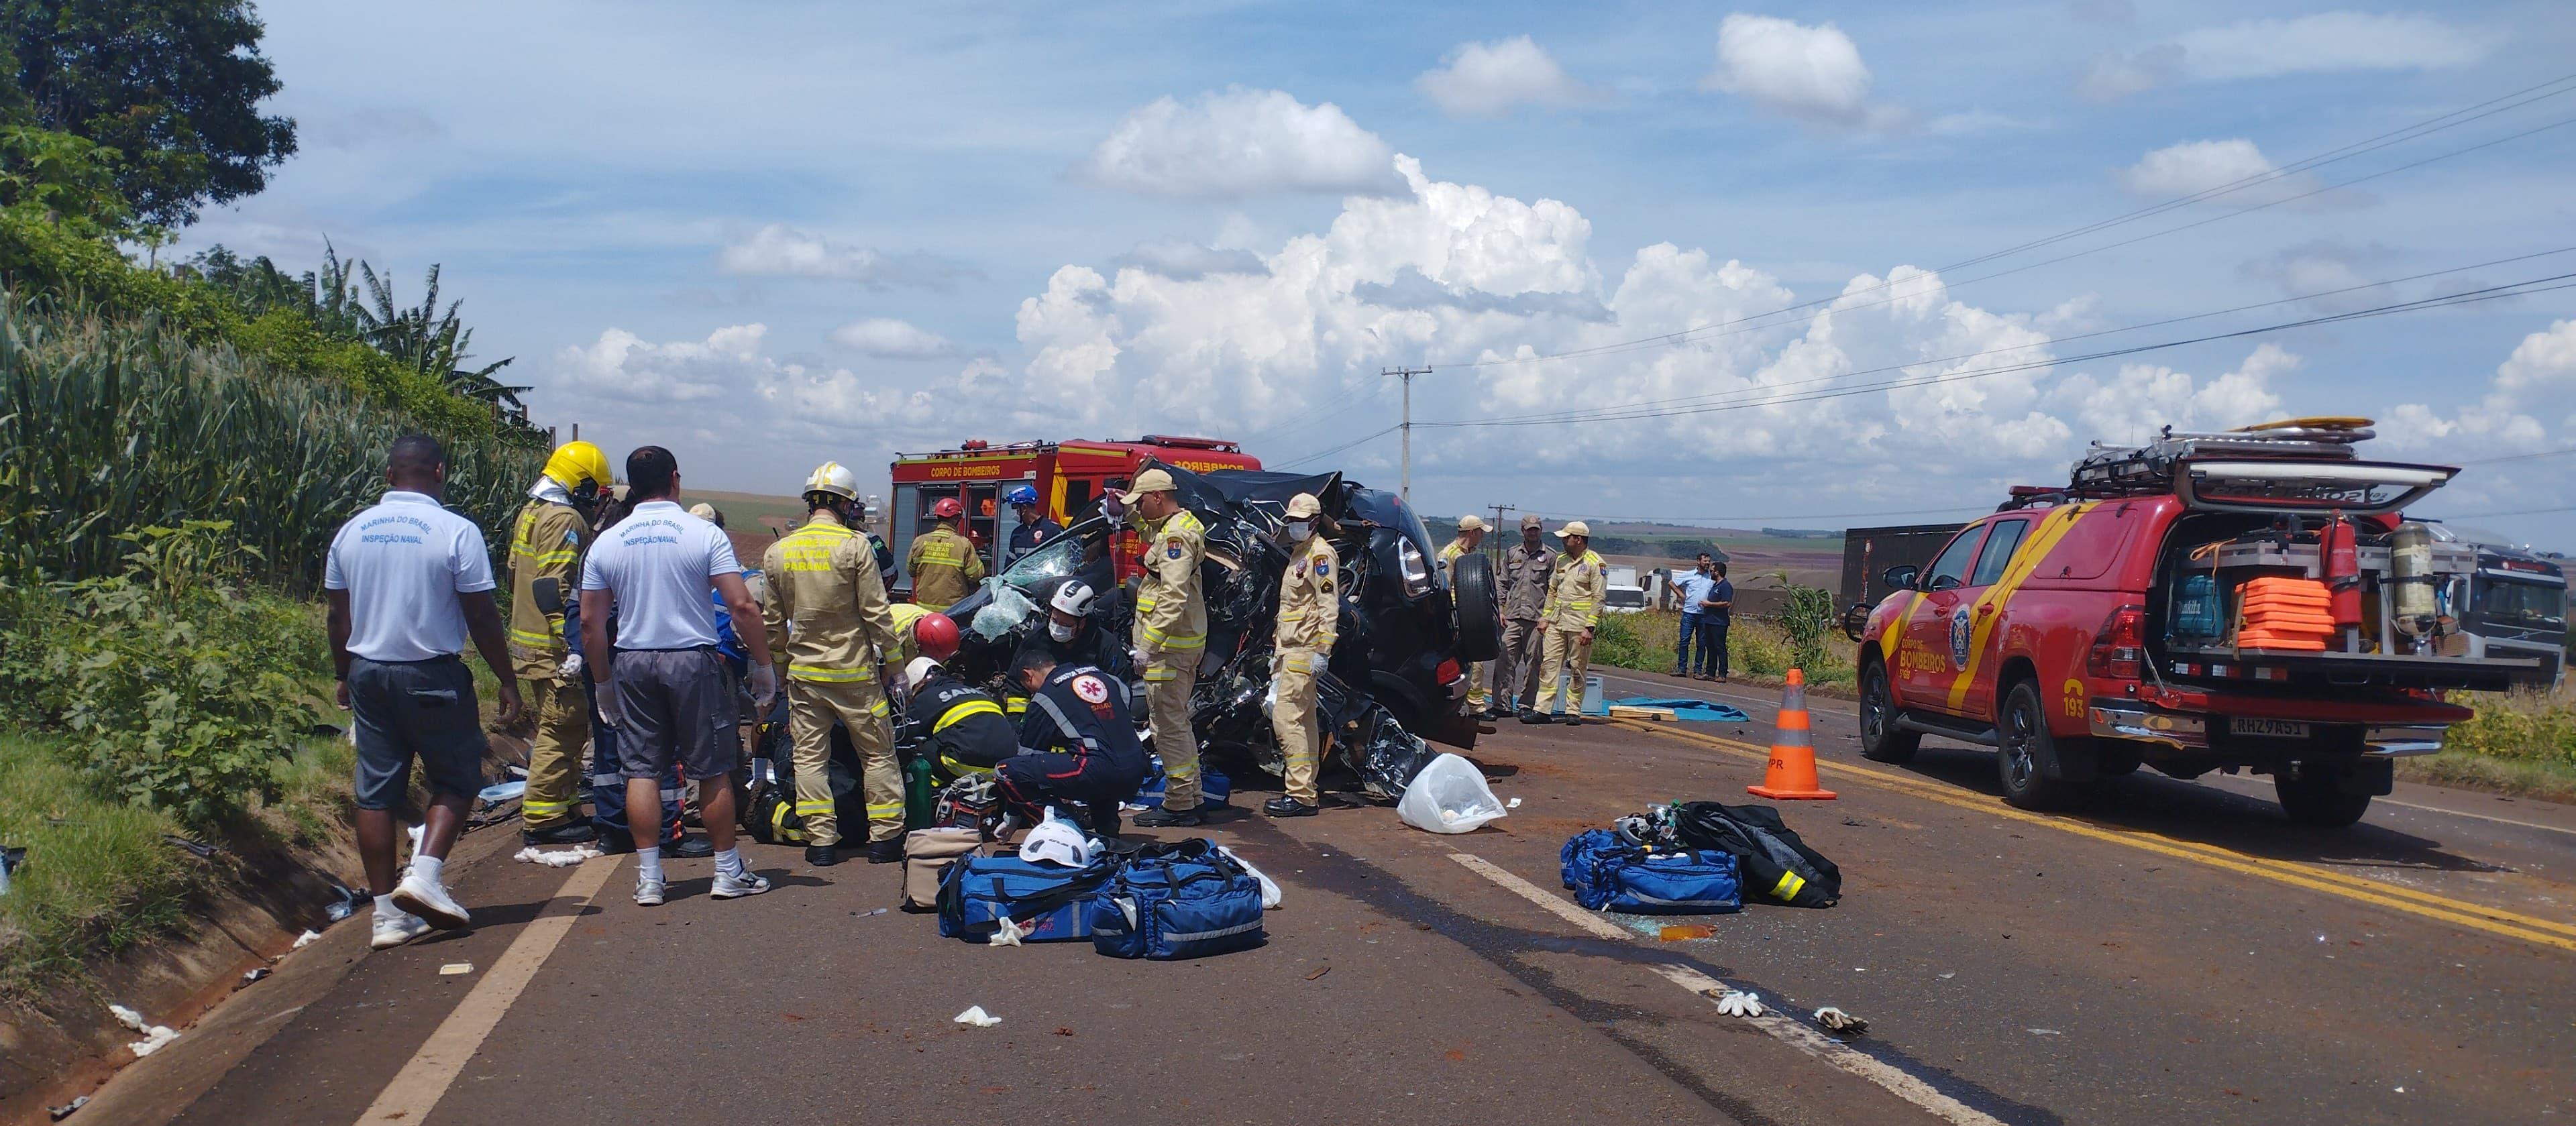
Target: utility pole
<point>1405,489</point>
<point>1497,534</point>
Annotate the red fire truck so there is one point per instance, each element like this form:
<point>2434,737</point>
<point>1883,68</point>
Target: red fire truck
<point>1069,477</point>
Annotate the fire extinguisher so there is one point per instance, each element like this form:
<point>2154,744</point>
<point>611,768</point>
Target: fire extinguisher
<point>2343,578</point>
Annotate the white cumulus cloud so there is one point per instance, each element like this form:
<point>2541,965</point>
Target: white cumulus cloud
<point>1238,143</point>
<point>2236,169</point>
<point>622,365</point>
<point>778,250</point>
<point>888,339</point>
<point>2323,42</point>
<point>2531,402</point>
<point>1814,74</point>
<point>1491,79</point>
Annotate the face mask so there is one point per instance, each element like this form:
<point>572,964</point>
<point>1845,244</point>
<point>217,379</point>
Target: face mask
<point>1059,631</point>
<point>1299,530</point>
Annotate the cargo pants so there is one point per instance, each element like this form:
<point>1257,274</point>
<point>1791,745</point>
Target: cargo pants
<point>1169,677</point>
<point>561,711</point>
<point>1565,646</point>
<point>1516,670</point>
<point>1292,720</point>
<point>860,705</point>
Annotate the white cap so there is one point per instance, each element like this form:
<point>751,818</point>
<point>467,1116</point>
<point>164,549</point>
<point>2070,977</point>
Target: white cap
<point>1304,505</point>
<point>1575,528</point>
<point>1471,523</point>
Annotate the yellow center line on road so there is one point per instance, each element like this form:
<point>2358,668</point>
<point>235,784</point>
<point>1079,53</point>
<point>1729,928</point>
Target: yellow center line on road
<point>2379,893</point>
<point>426,1077</point>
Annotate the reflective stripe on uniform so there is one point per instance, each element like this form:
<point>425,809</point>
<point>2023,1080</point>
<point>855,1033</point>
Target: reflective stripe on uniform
<point>1789,886</point>
<point>810,808</point>
<point>531,637</point>
<point>961,711</point>
<point>1158,639</point>
<point>534,810</point>
<point>884,812</point>
<point>810,547</point>
<point>1158,676</point>
<point>818,674</point>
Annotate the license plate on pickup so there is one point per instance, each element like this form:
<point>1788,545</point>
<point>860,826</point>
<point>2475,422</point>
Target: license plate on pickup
<point>2269,728</point>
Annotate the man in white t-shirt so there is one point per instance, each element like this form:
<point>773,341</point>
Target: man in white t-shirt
<point>664,686</point>
<point>409,582</point>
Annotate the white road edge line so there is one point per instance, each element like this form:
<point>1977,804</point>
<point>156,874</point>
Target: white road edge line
<point>1782,1027</point>
<point>416,1089</point>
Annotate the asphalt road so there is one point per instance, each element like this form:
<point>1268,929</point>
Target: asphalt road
<point>2176,952</point>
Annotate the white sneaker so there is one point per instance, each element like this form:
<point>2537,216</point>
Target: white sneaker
<point>430,901</point>
<point>648,893</point>
<point>735,887</point>
<point>395,929</point>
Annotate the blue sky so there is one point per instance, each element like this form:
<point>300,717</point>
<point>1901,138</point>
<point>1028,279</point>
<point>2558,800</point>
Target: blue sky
<point>770,235</point>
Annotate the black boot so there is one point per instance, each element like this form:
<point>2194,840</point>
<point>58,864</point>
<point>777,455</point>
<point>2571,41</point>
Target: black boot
<point>1168,819</point>
<point>1104,820</point>
<point>1572,719</point>
<point>888,851</point>
<point>570,832</point>
<point>1287,807</point>
<point>1530,716</point>
<point>822,856</point>
<point>689,848</point>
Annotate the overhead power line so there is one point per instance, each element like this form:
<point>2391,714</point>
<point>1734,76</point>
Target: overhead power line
<point>1626,409</point>
<point>2454,119</point>
<point>2491,293</point>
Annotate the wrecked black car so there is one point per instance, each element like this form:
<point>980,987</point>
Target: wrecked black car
<point>1408,629</point>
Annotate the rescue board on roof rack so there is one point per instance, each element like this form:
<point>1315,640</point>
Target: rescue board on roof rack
<point>2297,463</point>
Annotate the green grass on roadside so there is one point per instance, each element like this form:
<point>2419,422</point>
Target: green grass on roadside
<point>2469,770</point>
<point>1645,642</point>
<point>98,877</point>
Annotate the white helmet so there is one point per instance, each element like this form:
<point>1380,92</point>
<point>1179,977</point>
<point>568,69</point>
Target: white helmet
<point>1072,598</point>
<point>1057,841</point>
<point>831,478</point>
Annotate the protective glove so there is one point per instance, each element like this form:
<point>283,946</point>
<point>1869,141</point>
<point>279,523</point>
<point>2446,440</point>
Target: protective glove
<point>1836,1020</point>
<point>1315,662</point>
<point>571,667</point>
<point>611,711</point>
<point>764,687</point>
<point>1740,1003</point>
<point>1137,655</point>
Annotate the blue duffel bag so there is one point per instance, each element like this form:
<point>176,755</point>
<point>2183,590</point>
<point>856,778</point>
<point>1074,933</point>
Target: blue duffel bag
<point>1609,874</point>
<point>1169,902</point>
<point>1045,901</point>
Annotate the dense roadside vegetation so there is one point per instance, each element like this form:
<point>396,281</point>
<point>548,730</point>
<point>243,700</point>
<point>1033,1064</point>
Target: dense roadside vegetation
<point>178,442</point>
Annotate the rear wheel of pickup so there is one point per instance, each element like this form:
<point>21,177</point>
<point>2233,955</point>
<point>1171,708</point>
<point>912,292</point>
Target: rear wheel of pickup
<point>1880,740</point>
<point>2022,743</point>
<point>2315,797</point>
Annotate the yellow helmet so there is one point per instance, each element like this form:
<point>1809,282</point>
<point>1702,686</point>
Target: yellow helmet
<point>831,478</point>
<point>576,462</point>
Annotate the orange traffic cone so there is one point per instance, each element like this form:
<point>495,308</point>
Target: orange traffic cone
<point>1793,749</point>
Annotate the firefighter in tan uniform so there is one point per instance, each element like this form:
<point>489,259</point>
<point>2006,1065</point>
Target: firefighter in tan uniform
<point>1308,612</point>
<point>1573,607</point>
<point>546,543</point>
<point>828,620</point>
<point>943,563</point>
<point>1523,578</point>
<point>1170,634</point>
<point>1471,538</point>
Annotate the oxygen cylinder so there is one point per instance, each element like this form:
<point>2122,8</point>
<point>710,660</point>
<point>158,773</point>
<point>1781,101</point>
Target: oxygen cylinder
<point>2410,566</point>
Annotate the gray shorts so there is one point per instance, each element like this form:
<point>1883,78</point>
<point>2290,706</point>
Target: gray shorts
<point>680,706</point>
<point>415,709</point>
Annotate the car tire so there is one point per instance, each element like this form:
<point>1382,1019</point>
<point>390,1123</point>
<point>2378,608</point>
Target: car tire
<point>2313,798</point>
<point>1480,621</point>
<point>2022,744</point>
<point>1880,739</point>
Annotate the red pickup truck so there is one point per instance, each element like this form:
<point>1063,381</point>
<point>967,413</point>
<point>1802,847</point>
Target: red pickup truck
<point>2082,631</point>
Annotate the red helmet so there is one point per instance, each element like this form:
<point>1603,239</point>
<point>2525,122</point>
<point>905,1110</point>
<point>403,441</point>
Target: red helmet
<point>947,508</point>
<point>936,633</point>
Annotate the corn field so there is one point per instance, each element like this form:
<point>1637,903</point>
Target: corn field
<point>107,426</point>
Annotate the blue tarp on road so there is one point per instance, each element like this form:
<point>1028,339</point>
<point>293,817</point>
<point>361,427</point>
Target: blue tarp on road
<point>1698,711</point>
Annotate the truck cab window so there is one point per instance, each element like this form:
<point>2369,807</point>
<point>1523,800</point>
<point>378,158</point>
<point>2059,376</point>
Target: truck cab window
<point>1951,569</point>
<point>1998,551</point>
